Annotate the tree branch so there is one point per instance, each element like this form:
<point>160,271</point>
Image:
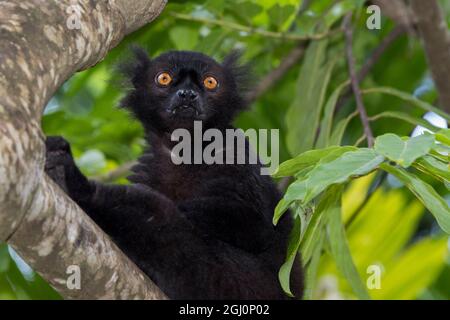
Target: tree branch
<point>43,44</point>
<point>371,61</point>
<point>398,11</point>
<point>354,79</point>
<point>379,51</point>
<point>436,39</point>
<point>252,30</point>
<point>276,74</point>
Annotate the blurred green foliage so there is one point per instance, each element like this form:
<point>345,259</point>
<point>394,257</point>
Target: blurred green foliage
<point>384,224</point>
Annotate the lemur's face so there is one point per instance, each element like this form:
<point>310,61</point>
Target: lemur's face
<point>179,87</point>
<point>186,86</point>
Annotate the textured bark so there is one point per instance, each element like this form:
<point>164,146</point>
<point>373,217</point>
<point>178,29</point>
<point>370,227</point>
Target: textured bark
<point>436,39</point>
<point>398,11</point>
<point>38,52</point>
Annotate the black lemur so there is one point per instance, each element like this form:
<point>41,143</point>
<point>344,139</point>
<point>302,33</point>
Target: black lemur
<point>198,231</point>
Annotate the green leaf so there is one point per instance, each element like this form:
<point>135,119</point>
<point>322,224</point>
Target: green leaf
<point>339,130</point>
<point>284,275</point>
<point>315,227</point>
<point>325,127</point>
<point>245,10</point>
<point>212,42</point>
<point>425,193</point>
<point>405,117</point>
<point>184,37</point>
<point>4,258</point>
<point>408,98</point>
<point>339,246</point>
<point>6,290</point>
<point>216,6</point>
<point>280,14</point>
<point>396,218</point>
<point>302,117</point>
<point>307,160</point>
<point>313,266</point>
<point>327,172</point>
<point>415,270</point>
<point>441,152</point>
<point>350,164</point>
<point>443,136</point>
<point>403,152</point>
<point>433,167</point>
<point>280,209</point>
<point>307,241</point>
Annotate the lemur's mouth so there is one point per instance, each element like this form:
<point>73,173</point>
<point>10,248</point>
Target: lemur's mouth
<point>184,111</point>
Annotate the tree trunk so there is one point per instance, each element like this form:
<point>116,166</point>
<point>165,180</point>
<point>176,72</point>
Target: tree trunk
<point>436,40</point>
<point>43,43</point>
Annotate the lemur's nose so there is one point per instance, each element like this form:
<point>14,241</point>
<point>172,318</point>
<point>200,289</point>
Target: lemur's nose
<point>187,94</point>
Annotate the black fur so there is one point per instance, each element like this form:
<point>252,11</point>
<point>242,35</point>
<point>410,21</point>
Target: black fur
<point>198,231</point>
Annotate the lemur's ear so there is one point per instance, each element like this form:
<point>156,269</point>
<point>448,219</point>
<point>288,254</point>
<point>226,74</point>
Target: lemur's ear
<point>242,73</point>
<point>134,70</point>
<point>232,59</point>
<point>132,77</point>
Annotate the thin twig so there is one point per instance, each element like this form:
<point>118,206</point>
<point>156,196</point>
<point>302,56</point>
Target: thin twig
<point>276,74</point>
<point>436,40</point>
<point>378,52</point>
<point>265,33</point>
<point>354,79</point>
<point>371,61</point>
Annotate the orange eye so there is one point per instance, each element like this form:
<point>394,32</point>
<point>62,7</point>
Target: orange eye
<point>164,79</point>
<point>210,83</point>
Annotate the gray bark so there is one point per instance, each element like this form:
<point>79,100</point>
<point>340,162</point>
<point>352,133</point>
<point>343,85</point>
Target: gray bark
<point>398,11</point>
<point>436,40</point>
<point>38,52</point>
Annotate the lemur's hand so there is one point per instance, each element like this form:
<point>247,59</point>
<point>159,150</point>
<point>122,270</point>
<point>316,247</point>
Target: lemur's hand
<point>61,167</point>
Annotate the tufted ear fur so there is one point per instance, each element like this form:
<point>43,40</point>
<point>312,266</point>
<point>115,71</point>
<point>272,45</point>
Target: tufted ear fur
<point>134,70</point>
<point>242,73</point>
<point>132,73</point>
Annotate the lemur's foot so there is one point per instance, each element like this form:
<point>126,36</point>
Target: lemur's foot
<point>58,160</point>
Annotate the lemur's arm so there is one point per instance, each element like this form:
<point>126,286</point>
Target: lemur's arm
<point>99,200</point>
<point>221,208</point>
<point>160,239</point>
